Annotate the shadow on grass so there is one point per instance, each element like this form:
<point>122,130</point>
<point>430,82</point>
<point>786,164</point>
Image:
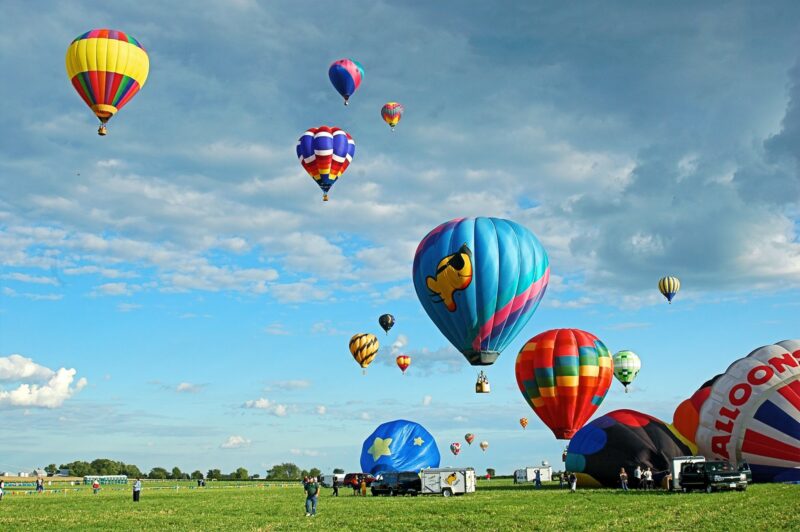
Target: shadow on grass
<point>555,487</point>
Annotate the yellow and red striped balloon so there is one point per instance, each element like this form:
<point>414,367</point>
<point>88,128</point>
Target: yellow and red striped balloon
<point>107,69</point>
<point>564,374</point>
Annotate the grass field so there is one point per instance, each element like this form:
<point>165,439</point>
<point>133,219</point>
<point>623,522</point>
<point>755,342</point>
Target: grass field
<point>497,505</point>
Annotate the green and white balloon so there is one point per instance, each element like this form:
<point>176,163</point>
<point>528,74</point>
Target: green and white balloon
<point>626,367</point>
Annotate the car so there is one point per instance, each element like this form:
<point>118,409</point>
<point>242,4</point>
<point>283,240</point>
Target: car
<point>353,480</point>
<point>397,483</point>
<point>712,476</point>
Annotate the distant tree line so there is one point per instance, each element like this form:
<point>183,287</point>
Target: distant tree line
<point>104,466</point>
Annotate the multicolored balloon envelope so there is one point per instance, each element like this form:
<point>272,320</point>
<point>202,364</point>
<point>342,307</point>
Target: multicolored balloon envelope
<point>469,438</point>
<point>403,361</point>
<point>399,446</point>
<point>669,286</point>
<point>626,366</point>
<point>107,69</point>
<point>391,113</point>
<point>346,76</point>
<point>622,438</point>
<point>455,448</point>
<point>564,374</point>
<point>751,413</point>
<point>325,153</point>
<point>480,281</point>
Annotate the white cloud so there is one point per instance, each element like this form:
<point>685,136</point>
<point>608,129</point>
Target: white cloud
<point>235,442</point>
<point>321,410</point>
<point>55,388</point>
<point>427,400</point>
<point>305,452</point>
<point>276,329</point>
<point>364,416</point>
<point>127,307</point>
<point>298,292</point>
<point>188,387</point>
<point>114,289</point>
<point>295,384</point>
<point>265,404</point>
<point>26,278</point>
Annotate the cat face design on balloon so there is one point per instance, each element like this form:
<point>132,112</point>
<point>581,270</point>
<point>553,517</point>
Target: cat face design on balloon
<point>453,273</point>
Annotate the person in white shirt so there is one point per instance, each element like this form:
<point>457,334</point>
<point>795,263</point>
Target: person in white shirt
<point>637,475</point>
<point>137,489</point>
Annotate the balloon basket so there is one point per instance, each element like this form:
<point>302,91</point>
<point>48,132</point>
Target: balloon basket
<point>346,102</point>
<point>324,197</point>
<point>482,387</point>
<point>102,131</point>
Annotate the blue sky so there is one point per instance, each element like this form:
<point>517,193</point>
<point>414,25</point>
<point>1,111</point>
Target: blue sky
<point>185,299</point>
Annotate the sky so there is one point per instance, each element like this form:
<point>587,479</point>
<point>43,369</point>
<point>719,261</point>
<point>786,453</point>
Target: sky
<point>176,294</point>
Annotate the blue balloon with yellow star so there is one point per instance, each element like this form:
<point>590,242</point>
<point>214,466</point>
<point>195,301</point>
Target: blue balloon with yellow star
<point>399,445</point>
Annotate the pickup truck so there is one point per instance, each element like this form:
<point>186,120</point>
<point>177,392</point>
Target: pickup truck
<point>712,476</point>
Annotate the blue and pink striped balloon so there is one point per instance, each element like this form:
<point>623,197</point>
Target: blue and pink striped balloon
<point>346,76</point>
<point>480,280</point>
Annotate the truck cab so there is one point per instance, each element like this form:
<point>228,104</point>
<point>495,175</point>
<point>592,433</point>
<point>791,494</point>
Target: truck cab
<point>712,476</point>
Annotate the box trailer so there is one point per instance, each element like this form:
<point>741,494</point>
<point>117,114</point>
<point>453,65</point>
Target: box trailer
<point>327,480</point>
<point>675,469</point>
<point>447,481</point>
<point>528,474</point>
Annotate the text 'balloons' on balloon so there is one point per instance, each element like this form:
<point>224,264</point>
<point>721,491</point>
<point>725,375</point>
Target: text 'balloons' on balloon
<point>386,321</point>
<point>669,286</point>
<point>325,153</point>
<point>626,366</point>
<point>480,280</point>
<point>564,375</point>
<point>455,448</point>
<point>399,445</point>
<point>484,445</point>
<point>391,113</point>
<point>622,439</point>
<point>469,438</point>
<point>364,347</point>
<point>403,362</point>
<point>346,76</point>
<point>752,413</point>
<point>107,68</point>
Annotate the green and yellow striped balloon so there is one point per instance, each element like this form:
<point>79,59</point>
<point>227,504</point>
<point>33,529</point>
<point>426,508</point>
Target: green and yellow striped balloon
<point>364,347</point>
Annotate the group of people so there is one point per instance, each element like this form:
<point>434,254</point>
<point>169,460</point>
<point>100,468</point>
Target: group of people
<point>642,479</point>
<point>311,489</point>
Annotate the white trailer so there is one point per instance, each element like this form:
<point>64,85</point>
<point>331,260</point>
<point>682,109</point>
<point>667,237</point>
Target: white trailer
<point>327,480</point>
<point>528,474</point>
<point>675,469</point>
<point>447,481</point>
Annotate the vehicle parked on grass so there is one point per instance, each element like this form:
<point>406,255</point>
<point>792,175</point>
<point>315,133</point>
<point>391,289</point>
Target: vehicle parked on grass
<point>327,480</point>
<point>676,465</point>
<point>528,474</point>
<point>448,481</point>
<point>397,483</point>
<point>353,480</point>
<point>712,476</point>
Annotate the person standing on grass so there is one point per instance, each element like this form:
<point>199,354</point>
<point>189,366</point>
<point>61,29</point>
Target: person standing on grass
<point>364,486</point>
<point>623,479</point>
<point>95,486</point>
<point>137,490</point>
<point>2,488</point>
<point>648,479</point>
<point>637,478</point>
<point>312,491</point>
<point>573,482</point>
<point>39,485</point>
<point>538,480</point>
<point>335,487</point>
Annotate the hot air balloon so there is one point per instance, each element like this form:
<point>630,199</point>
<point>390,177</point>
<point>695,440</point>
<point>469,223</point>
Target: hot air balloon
<point>107,69</point>
<point>752,413</point>
<point>386,321</point>
<point>455,448</point>
<point>364,347</point>
<point>391,113</point>
<point>346,76</point>
<point>626,367</point>
<point>469,438</point>
<point>524,422</point>
<point>564,374</point>
<point>669,286</point>
<point>480,281</point>
<point>484,445</point>
<point>325,153</point>
<point>399,445</point>
<point>403,361</point>
<point>622,438</point>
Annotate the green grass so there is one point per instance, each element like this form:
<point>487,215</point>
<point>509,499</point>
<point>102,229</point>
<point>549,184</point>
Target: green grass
<point>497,505</point>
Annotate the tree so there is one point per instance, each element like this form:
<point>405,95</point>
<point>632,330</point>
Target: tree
<point>314,472</point>
<point>285,471</point>
<point>132,471</point>
<point>214,474</point>
<point>197,475</point>
<point>338,471</point>
<point>176,473</point>
<point>239,474</point>
<point>255,477</point>
<point>158,473</point>
<point>78,468</point>
<point>490,471</point>
<point>52,469</point>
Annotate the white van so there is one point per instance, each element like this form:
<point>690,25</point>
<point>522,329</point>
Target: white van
<point>528,474</point>
<point>327,480</point>
<point>448,481</point>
